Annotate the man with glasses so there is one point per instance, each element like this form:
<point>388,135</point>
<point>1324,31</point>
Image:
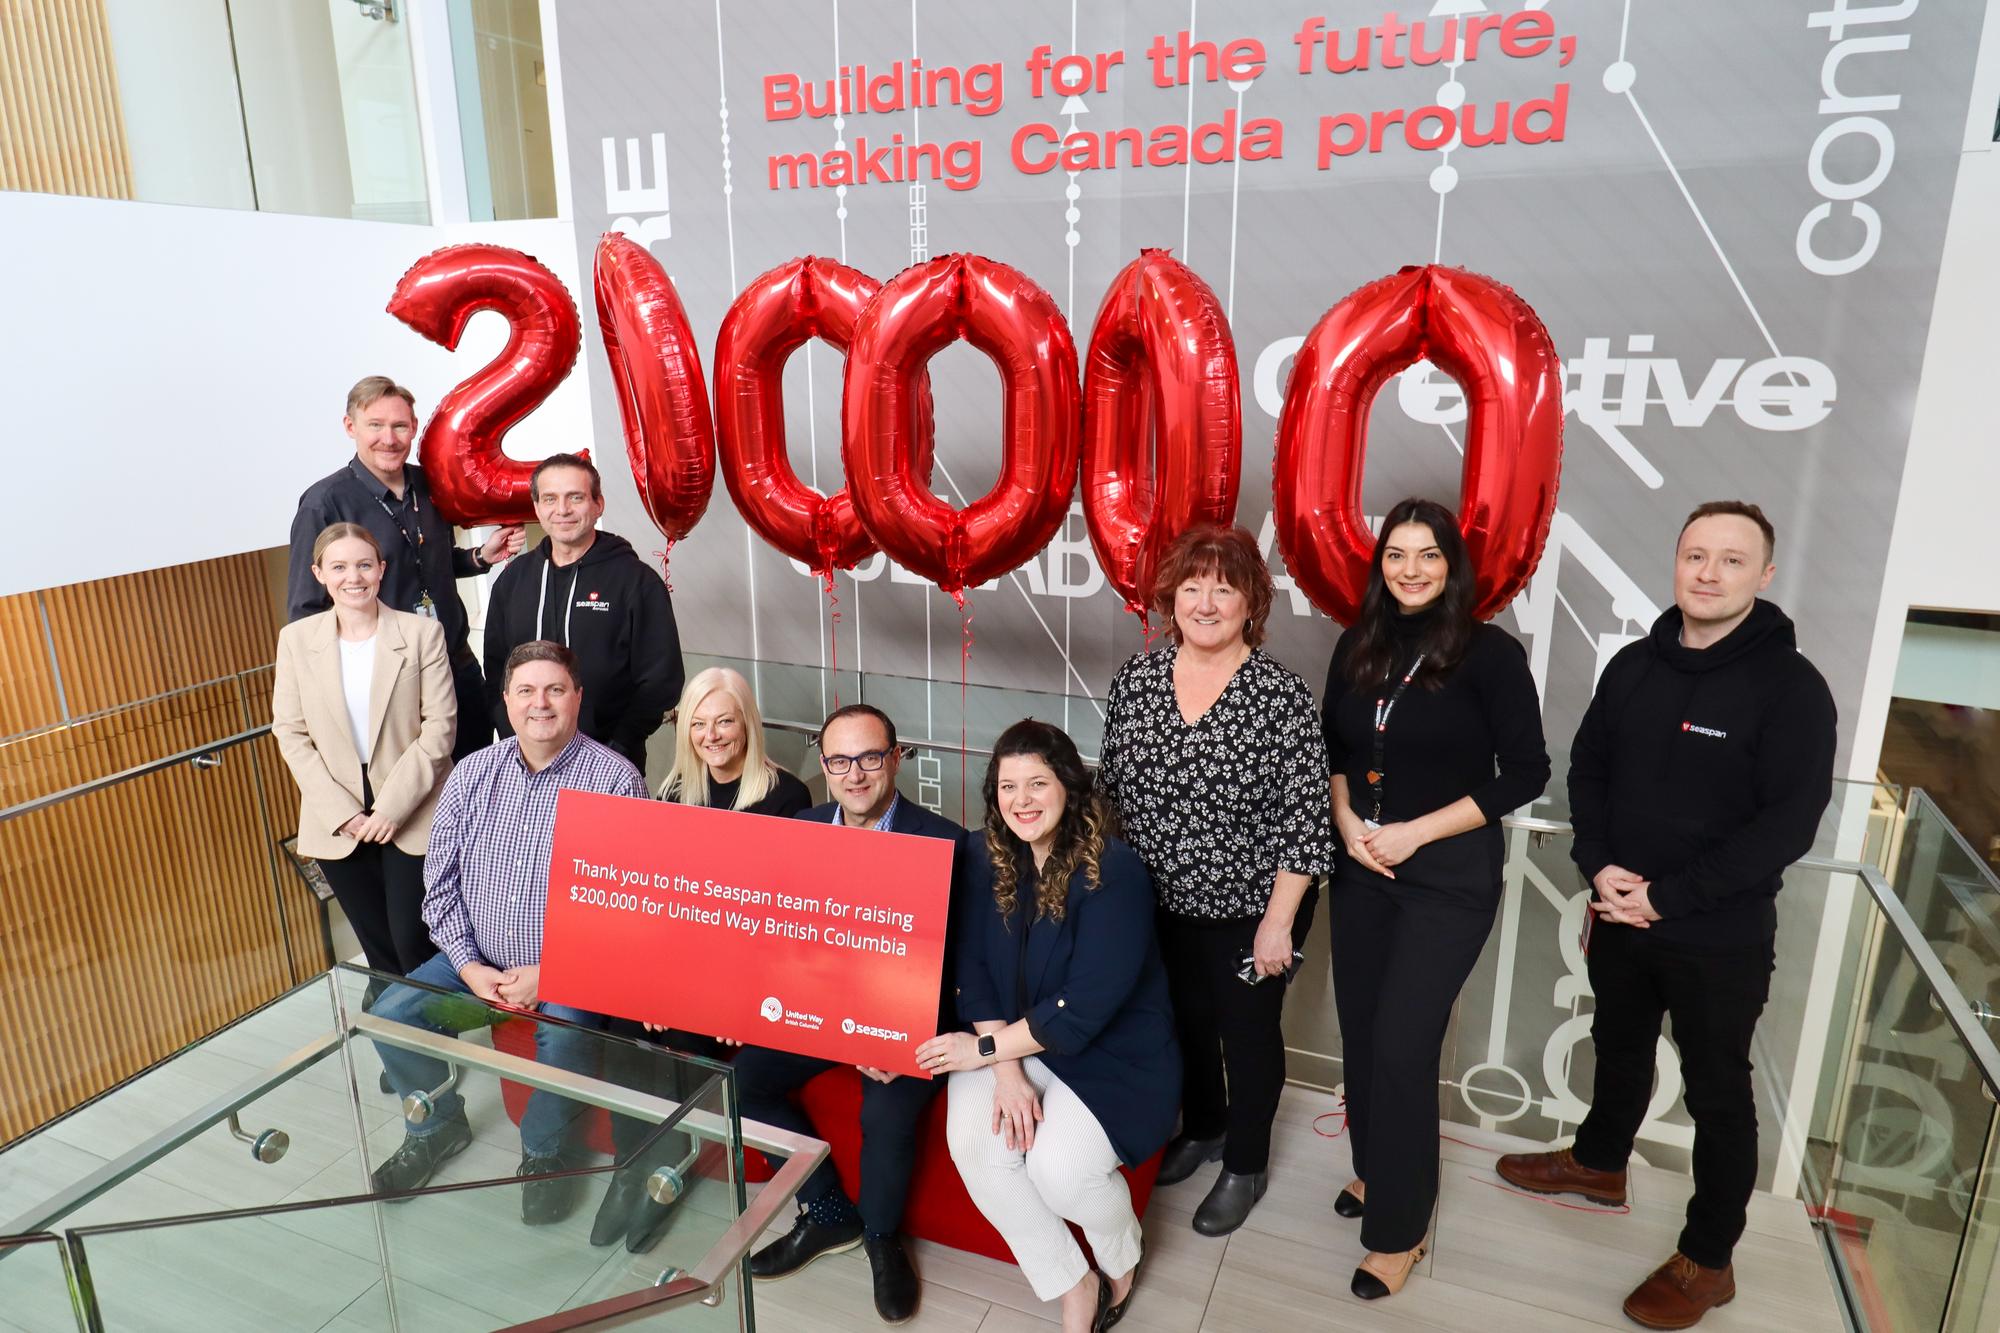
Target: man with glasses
<point>858,750</point>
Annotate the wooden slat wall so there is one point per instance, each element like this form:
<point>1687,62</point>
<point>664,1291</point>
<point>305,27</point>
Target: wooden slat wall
<point>61,127</point>
<point>135,919</point>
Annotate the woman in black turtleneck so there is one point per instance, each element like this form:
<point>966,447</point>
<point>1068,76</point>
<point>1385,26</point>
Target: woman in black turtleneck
<point>1433,732</point>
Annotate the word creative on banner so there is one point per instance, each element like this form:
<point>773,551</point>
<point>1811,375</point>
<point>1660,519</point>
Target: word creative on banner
<point>786,933</point>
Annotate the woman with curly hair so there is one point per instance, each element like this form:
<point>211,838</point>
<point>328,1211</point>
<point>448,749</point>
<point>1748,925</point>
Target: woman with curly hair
<point>1071,1066</point>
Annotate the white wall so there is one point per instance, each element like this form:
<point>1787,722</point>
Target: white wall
<point>177,89</point>
<point>189,384</point>
<point>1944,552</point>
<point>291,103</point>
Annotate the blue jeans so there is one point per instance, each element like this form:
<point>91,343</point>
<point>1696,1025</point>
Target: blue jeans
<point>545,1125</point>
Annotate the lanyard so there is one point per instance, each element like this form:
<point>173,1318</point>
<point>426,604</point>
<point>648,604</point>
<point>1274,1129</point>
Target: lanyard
<point>1383,708</point>
<point>425,606</point>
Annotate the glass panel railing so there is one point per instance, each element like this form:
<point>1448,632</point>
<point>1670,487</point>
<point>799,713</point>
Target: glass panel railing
<point>35,1288</point>
<point>1905,1200</point>
<point>1953,896</point>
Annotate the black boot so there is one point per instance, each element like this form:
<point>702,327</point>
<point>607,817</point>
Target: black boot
<point>1184,1156</point>
<point>896,1286</point>
<point>1230,1202</point>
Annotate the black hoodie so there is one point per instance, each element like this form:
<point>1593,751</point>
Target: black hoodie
<point>1705,771</point>
<point>612,611</point>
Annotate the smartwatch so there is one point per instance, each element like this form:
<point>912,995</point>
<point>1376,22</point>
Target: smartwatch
<point>987,1047</point>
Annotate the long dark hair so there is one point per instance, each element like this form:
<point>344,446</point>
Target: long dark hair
<point>1079,841</point>
<point>1449,629</point>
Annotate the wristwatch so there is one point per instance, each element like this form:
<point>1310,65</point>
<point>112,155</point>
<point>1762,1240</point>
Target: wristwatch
<point>987,1047</point>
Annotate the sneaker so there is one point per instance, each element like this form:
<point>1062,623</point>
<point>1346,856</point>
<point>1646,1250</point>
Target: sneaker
<point>411,1166</point>
<point>548,1197</point>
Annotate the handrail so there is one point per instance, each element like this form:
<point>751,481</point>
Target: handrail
<point>191,754</point>
<point>1950,999</point>
<point>100,714</point>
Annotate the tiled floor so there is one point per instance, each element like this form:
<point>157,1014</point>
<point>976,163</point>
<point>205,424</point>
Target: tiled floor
<point>1500,1261</point>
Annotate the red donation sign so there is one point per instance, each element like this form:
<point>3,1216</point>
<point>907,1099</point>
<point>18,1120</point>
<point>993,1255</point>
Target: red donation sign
<point>786,933</point>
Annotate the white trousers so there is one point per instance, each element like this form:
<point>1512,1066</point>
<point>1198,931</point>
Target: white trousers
<point>1071,1173</point>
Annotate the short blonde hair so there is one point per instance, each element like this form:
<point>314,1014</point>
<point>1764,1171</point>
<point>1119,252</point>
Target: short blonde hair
<point>374,388</point>
<point>687,783</point>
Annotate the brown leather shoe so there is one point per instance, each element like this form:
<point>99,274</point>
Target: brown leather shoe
<point>1679,1293</point>
<point>1560,1173</point>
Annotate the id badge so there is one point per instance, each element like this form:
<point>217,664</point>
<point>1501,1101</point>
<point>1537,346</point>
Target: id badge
<point>1370,825</point>
<point>426,608</point>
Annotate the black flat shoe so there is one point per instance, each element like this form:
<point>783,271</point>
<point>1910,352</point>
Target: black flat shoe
<point>1372,1286</point>
<point>896,1287</point>
<point>649,1223</point>
<point>805,1242</point>
<point>1348,1204</point>
<point>1184,1156</point>
<point>1108,1317</point>
<point>621,1199</point>
<point>1102,1319</point>
<point>1229,1202</point>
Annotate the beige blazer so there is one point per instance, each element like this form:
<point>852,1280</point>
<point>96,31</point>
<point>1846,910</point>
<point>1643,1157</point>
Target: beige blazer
<point>411,707</point>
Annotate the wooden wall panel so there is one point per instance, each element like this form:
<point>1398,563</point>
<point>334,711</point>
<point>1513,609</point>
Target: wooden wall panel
<point>137,918</point>
<point>62,130</point>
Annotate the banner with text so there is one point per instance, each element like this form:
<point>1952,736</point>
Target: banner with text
<point>785,933</point>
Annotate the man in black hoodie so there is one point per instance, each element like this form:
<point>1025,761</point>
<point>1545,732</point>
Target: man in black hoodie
<point>1700,772</point>
<point>590,592</point>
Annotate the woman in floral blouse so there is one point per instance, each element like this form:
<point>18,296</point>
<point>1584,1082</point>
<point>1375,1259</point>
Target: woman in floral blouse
<point>1213,757</point>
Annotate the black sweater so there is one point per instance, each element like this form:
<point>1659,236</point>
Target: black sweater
<point>610,609</point>
<point>1705,771</point>
<point>1478,734</point>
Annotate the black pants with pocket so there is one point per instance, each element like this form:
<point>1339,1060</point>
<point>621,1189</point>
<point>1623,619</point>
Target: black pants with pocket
<point>1232,1044</point>
<point>1401,952</point>
<point>1714,1000</point>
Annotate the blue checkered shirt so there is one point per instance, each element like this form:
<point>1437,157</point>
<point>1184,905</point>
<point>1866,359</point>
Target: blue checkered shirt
<point>881,825</point>
<point>486,875</point>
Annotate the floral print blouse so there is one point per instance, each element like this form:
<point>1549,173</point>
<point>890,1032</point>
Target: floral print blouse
<point>1216,809</point>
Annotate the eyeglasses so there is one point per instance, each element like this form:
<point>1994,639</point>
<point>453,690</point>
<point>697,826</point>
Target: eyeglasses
<point>838,764</point>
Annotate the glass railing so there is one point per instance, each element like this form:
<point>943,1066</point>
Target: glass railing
<point>233,1185</point>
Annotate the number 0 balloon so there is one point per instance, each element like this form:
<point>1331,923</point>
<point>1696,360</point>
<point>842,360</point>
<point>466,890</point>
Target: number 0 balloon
<point>1489,340</point>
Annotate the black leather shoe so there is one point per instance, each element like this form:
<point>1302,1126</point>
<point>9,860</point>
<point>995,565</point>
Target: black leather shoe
<point>1101,1320</point>
<point>1230,1202</point>
<point>621,1200</point>
<point>548,1200</point>
<point>648,1224</point>
<point>1184,1156</point>
<point>1348,1204</point>
<point>895,1281</point>
<point>412,1165</point>
<point>805,1242</point>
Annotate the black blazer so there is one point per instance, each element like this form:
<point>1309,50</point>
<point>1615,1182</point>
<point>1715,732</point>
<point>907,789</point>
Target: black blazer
<point>913,818</point>
<point>1094,986</point>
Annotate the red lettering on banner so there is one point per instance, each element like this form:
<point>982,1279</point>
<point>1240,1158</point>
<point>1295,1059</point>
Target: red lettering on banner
<point>786,933</point>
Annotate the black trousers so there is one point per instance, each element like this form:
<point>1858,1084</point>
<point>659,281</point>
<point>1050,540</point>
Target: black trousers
<point>1715,1000</point>
<point>890,1112</point>
<point>635,1142</point>
<point>1232,1044</point>
<point>381,889</point>
<point>475,721</point>
<point>1401,953</point>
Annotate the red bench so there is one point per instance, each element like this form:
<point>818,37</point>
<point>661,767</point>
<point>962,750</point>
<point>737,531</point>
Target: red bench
<point>939,1208</point>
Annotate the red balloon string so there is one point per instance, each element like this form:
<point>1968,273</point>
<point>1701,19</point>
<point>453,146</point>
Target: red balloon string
<point>665,572</point>
<point>964,656</point>
<point>832,633</point>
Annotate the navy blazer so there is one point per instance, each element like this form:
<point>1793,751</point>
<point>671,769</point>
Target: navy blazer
<point>913,818</point>
<point>1095,991</point>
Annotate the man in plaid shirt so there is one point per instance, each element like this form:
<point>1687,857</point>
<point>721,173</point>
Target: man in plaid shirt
<point>486,883</point>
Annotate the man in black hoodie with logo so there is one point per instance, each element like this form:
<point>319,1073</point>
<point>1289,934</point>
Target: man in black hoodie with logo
<point>1700,772</point>
<point>590,592</point>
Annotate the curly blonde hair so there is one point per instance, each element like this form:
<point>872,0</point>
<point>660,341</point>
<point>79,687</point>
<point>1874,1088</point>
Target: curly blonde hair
<point>1087,820</point>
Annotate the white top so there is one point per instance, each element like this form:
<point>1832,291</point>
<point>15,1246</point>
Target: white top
<point>357,671</point>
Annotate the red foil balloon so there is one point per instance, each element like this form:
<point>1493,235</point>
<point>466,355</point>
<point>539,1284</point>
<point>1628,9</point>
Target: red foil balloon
<point>1162,422</point>
<point>773,317</point>
<point>471,480</point>
<point>662,393</point>
<point>1488,339</point>
<point>919,312</point>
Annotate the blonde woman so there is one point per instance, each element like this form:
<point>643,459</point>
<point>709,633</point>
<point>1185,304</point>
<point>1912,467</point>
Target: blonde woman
<point>719,758</point>
<point>364,715</point>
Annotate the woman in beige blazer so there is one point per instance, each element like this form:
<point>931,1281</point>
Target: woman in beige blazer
<point>365,716</point>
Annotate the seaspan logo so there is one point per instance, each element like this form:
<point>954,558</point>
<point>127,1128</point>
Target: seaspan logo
<point>594,602</point>
<point>1700,730</point>
<point>852,1028</point>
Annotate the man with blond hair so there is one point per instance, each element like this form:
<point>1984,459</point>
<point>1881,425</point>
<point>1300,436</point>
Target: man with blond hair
<point>384,492</point>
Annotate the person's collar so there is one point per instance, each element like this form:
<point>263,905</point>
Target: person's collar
<point>374,484</point>
<point>563,756</point>
<point>888,816</point>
